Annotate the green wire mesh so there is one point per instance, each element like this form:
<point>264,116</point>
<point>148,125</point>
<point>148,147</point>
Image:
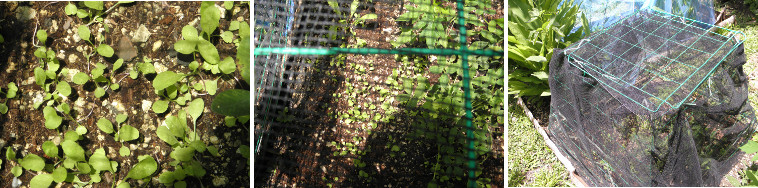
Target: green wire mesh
<point>653,61</point>
<point>356,93</point>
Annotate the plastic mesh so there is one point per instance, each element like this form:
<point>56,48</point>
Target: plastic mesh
<point>651,101</point>
<point>355,93</point>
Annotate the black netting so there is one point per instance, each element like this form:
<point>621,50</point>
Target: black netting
<point>604,108</point>
<point>353,93</point>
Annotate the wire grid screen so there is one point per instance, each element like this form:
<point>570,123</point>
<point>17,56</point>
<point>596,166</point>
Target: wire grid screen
<point>654,60</point>
<point>611,143</point>
<point>353,93</point>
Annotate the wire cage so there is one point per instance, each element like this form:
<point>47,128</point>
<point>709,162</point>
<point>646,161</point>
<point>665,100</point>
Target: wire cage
<point>653,100</point>
<point>378,92</point>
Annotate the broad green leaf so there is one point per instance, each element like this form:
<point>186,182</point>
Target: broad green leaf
<point>160,106</point>
<point>105,50</point>
<point>234,102</point>
<point>209,18</point>
<point>124,151</point>
<point>41,180</point>
<point>199,145</point>
<point>60,174</point>
<point>189,33</point>
<point>81,13</point>
<point>128,133</point>
<point>83,168</point>
<point>80,78</point>
<point>213,150</point>
<point>81,130</point>
<point>244,150</point>
<point>166,177</point>
<point>3,108</point>
<point>71,135</point>
<point>536,59</point>
<point>84,32</point>
<point>750,147</point>
<point>50,149</point>
<point>185,46</point>
<point>133,74</point>
<point>17,170</point>
<point>39,76</point>
<point>227,36</point>
<point>542,75</point>
<point>73,150</point>
<point>105,125</point>
<point>227,66</point>
<point>10,154</point>
<point>42,36</point>
<point>183,154</point>
<point>12,89</point>
<point>97,5</point>
<point>124,184</point>
<point>70,9</point>
<point>234,25</point>
<point>118,64</point>
<point>52,120</point>
<point>165,79</point>
<point>211,86</point>
<point>121,118</point>
<point>180,184</point>
<point>33,162</point>
<point>99,92</point>
<point>228,5</point>
<point>143,168</point>
<point>208,51</point>
<point>176,125</point>
<point>195,108</point>
<point>243,56</point>
<point>166,135</point>
<point>99,161</point>
<point>114,86</point>
<point>63,88</point>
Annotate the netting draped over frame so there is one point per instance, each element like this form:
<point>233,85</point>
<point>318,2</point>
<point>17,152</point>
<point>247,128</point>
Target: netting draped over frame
<point>652,101</point>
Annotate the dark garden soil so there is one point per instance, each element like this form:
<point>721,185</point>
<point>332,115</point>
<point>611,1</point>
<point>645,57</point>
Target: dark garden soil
<point>302,153</point>
<point>23,127</point>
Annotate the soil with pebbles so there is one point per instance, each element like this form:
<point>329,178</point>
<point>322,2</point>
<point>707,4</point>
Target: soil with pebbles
<point>23,126</point>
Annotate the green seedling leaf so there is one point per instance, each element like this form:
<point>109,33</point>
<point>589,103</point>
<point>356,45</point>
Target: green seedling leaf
<point>99,161</point>
<point>81,13</point>
<point>81,130</point>
<point>213,150</point>
<point>176,125</point>
<point>115,86</point>
<point>180,184</point>
<point>165,79</point>
<point>3,108</point>
<point>10,154</point>
<point>60,174</point>
<point>118,64</point>
<point>52,120</point>
<point>105,50</point>
<point>228,5</point>
<point>166,177</point>
<point>121,118</point>
<point>50,149</point>
<point>84,32</point>
<point>42,36</point>
<point>80,78</point>
<point>33,162</point>
<point>211,86</point>
<point>189,33</point>
<point>185,46</point>
<point>230,121</point>
<point>72,150</point>
<point>124,151</point>
<point>209,17</point>
<point>63,88</point>
<point>227,36</point>
<point>71,135</point>
<point>183,154</point>
<point>195,108</point>
<point>133,74</point>
<point>208,51</point>
<point>99,92</point>
<point>194,65</point>
<point>105,125</point>
<point>244,150</point>
<point>97,5</point>
<point>143,168</point>
<point>146,68</point>
<point>70,9</point>
<point>198,145</point>
<point>166,135</point>
<point>83,168</point>
<point>233,102</point>
<point>128,133</point>
<point>160,106</point>
<point>12,89</point>
<point>243,56</point>
<point>234,25</point>
<point>40,76</point>
<point>17,170</point>
<point>227,66</point>
<point>41,180</point>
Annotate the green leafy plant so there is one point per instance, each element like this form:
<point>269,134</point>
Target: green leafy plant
<point>535,29</point>
<point>351,18</point>
<point>750,147</point>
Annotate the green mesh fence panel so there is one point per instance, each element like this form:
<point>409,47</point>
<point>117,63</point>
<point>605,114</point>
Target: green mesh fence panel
<point>374,93</point>
<point>653,100</point>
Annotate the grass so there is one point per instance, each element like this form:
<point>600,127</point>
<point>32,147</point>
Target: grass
<point>530,162</point>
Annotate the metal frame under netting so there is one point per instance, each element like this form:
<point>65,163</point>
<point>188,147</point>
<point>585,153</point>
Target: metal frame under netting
<point>676,57</point>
